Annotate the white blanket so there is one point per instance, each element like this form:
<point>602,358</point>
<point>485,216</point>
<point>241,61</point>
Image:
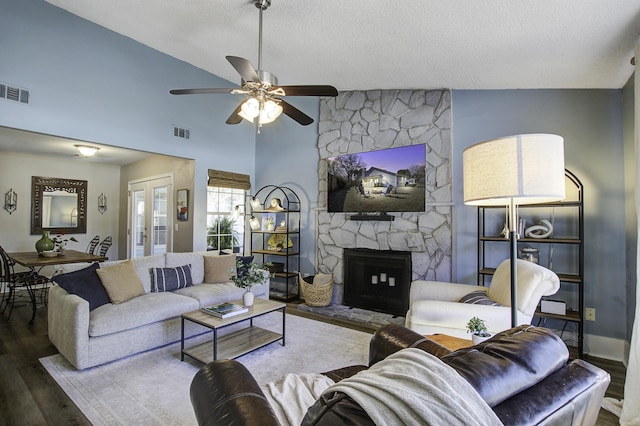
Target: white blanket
<point>292,395</point>
<point>414,387</point>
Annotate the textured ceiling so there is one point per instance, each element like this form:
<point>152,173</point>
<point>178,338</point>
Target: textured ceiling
<point>391,44</point>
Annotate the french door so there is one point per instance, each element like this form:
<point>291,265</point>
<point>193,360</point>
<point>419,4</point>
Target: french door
<point>150,216</point>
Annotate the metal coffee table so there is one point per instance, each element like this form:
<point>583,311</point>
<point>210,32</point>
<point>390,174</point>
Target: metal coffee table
<point>237,343</point>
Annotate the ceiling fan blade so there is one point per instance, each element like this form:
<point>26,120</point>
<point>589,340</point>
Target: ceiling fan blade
<point>244,68</point>
<point>295,113</point>
<point>198,91</point>
<point>319,90</point>
<point>234,118</point>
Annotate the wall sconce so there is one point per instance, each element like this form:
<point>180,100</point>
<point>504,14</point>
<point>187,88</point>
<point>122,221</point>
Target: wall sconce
<point>255,203</point>
<point>254,223</point>
<point>102,203</point>
<point>10,201</point>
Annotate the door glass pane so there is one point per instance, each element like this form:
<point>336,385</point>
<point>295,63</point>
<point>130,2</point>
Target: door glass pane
<point>159,239</point>
<point>138,224</point>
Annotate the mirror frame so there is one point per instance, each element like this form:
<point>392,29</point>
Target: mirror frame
<point>40,185</point>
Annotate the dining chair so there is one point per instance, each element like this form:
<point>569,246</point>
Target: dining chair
<point>104,245</point>
<point>93,244</point>
<point>27,280</point>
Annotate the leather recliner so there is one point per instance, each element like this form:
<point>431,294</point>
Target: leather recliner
<point>523,374</point>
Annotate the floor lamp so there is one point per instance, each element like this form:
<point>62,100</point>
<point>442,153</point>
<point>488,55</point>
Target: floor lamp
<point>511,171</point>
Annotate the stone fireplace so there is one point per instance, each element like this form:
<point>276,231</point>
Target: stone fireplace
<point>377,280</point>
<point>360,121</point>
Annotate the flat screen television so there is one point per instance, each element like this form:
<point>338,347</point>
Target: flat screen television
<point>387,180</point>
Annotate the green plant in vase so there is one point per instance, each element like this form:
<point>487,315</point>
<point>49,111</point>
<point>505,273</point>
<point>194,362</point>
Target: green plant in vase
<point>60,243</point>
<point>246,276</point>
<point>478,330</point>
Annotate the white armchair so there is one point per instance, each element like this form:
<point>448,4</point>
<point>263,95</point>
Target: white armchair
<point>434,306</point>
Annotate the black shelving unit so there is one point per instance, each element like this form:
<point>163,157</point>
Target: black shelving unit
<point>285,204</point>
<point>569,220</point>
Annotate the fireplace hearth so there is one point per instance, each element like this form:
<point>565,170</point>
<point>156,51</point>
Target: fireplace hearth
<point>378,280</point>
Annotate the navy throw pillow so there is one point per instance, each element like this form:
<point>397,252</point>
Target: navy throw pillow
<point>170,279</point>
<point>246,261</point>
<point>86,284</point>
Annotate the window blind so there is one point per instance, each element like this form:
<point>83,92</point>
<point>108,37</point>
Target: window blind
<point>229,180</point>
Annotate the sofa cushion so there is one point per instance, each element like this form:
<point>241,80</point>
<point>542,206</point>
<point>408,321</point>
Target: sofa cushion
<point>218,269</point>
<point>509,362</point>
<point>86,284</point>
<point>194,259</point>
<point>478,298</point>
<point>146,309</point>
<point>170,279</point>
<point>212,294</point>
<point>142,266</point>
<point>121,281</point>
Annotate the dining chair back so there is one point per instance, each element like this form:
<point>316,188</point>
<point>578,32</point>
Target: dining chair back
<point>28,280</point>
<point>93,244</point>
<point>104,245</point>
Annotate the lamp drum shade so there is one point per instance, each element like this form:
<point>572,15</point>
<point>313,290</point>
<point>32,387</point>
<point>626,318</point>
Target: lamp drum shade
<point>525,169</point>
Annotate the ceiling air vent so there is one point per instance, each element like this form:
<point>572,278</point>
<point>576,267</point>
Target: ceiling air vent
<point>13,93</point>
<point>181,132</point>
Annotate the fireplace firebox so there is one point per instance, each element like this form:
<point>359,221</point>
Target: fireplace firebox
<point>377,280</point>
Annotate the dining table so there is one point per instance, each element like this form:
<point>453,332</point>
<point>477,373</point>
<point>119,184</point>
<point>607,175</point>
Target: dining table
<point>36,261</point>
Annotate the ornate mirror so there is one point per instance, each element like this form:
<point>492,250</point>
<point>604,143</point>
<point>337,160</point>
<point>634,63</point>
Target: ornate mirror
<point>58,205</point>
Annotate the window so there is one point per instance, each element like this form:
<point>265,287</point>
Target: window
<point>226,195</point>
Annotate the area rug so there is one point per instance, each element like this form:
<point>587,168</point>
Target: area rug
<point>152,388</point>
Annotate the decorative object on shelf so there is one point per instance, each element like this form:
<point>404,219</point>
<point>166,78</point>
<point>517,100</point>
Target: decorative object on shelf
<point>10,201</point>
<point>530,254</point>
<point>60,243</point>
<point>102,203</point>
<point>543,230</point>
<point>87,150</point>
<point>45,243</point>
<point>246,276</point>
<point>511,171</point>
<point>282,227</point>
<point>268,221</point>
<point>275,204</point>
<point>277,242</point>
<point>254,223</point>
<point>182,202</point>
<point>478,330</point>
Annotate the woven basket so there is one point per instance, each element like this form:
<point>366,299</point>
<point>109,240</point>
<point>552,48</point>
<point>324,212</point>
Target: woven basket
<point>315,294</point>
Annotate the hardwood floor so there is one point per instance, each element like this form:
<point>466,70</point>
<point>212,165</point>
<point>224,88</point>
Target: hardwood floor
<point>29,396</point>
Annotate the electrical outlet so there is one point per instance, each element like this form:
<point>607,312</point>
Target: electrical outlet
<point>590,314</point>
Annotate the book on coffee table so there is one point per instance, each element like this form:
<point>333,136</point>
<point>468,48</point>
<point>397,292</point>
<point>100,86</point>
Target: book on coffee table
<point>225,310</point>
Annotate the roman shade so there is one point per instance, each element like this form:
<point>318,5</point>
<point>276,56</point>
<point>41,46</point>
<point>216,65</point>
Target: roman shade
<point>223,179</point>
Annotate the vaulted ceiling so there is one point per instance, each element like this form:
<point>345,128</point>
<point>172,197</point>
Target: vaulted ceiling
<point>391,44</point>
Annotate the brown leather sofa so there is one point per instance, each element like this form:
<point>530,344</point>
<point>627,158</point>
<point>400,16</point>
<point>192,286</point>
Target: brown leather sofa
<point>523,374</point>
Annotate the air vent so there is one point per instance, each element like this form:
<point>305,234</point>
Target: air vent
<point>181,132</point>
<point>13,93</point>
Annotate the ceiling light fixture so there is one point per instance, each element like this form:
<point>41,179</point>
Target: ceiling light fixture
<point>87,150</point>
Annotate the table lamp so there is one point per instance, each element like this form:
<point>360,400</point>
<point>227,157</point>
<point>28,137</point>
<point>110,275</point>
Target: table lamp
<point>511,171</point>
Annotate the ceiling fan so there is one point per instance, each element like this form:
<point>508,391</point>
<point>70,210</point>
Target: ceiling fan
<point>264,100</point>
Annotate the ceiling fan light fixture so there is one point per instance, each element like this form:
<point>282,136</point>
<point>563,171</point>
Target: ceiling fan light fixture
<point>250,109</point>
<point>270,112</point>
<point>87,150</point>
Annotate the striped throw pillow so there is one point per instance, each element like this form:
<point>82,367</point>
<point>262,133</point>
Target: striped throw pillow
<point>478,297</point>
<point>169,279</point>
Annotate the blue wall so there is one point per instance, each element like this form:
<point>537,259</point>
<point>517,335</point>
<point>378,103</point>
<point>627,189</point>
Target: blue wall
<point>92,84</point>
<point>591,124</point>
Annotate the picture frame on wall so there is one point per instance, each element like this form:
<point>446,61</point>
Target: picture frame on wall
<point>182,203</point>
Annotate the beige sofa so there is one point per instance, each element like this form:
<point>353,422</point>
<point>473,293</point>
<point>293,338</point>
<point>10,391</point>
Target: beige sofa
<point>113,331</point>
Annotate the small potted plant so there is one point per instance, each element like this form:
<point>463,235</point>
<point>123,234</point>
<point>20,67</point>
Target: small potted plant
<point>60,243</point>
<point>246,276</point>
<point>478,330</point>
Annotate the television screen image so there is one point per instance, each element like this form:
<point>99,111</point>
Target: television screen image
<point>387,180</point>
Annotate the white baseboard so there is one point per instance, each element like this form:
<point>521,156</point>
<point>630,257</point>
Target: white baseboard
<point>607,348</point>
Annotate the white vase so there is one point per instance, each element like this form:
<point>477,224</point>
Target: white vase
<point>247,298</point>
<point>476,338</point>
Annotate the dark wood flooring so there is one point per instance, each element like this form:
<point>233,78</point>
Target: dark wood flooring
<point>29,396</point>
